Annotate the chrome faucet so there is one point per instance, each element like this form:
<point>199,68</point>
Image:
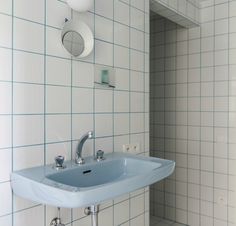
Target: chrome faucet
<point>78,155</point>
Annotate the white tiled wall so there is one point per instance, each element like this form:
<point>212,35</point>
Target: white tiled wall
<point>193,116</point>
<point>48,99</point>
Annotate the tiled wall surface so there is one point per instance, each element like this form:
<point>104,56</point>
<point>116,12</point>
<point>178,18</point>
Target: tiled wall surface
<point>194,116</point>
<point>48,99</point>
<point>183,12</point>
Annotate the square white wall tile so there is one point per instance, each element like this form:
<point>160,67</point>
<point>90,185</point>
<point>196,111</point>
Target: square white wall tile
<point>221,11</point>
<point>137,39</point>
<point>5,131</point>
<point>104,8</point>
<point>58,128</point>
<point>136,81</point>
<point>221,42</point>
<point>106,217</point>
<point>232,58</point>
<point>58,99</point>
<point>138,221</point>
<point>137,102</point>
<point>194,46</point>
<point>207,14</point>
<point>221,88</point>
<point>6,7</point>
<point>221,26</point>
<point>6,166</point>
<point>232,38</point>
<point>6,220</point>
<point>103,100</point>
<point>121,12</point>
<point>137,122</point>
<point>86,221</point>
<point>82,100</point>
<point>25,65</point>
<point>221,57</point>
<point>121,101</point>
<point>36,12</point>
<point>6,197</point>
<point>6,68</point>
<point>137,19</point>
<point>27,157</point>
<point>121,34</point>
<point>136,60</point>
<point>137,201</point>
<point>121,57</point>
<point>5,98</point>
<point>221,73</point>
<point>22,217</point>
<point>207,29</point>
<point>58,71</point>
<point>121,124</point>
<point>121,212</point>
<point>28,99</point>
<point>103,125</point>
<point>220,134</point>
<point>232,7</point>
<point>103,29</point>
<point>103,53</point>
<point>82,74</point>
<point>207,44</point>
<point>138,4</point>
<point>24,41</point>
<point>182,47</point>
<point>28,130</point>
<point>6,31</point>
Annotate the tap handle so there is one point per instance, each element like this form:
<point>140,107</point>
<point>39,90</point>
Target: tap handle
<point>59,160</point>
<point>100,155</point>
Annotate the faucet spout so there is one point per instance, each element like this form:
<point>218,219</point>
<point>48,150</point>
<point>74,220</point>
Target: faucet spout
<point>78,157</point>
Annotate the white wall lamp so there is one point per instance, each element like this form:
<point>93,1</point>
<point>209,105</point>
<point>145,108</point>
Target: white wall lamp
<point>77,38</point>
<point>80,5</point>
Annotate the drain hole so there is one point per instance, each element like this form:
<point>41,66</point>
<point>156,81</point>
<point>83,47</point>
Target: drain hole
<point>87,171</point>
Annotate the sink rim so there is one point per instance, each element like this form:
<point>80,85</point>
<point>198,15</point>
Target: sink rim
<point>56,194</point>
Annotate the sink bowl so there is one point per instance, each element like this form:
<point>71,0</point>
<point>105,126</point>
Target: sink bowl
<point>91,183</point>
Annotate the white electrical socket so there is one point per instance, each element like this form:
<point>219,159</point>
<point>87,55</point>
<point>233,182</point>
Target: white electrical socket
<point>131,148</point>
<point>135,148</point>
<point>126,148</point>
<point>221,200</point>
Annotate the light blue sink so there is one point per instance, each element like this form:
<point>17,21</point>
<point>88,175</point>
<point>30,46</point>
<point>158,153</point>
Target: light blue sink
<point>91,183</point>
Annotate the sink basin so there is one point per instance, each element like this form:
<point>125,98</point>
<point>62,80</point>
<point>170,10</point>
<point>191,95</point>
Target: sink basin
<point>91,183</point>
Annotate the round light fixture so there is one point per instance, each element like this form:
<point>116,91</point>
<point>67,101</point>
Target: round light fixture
<point>80,5</point>
<point>77,38</point>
